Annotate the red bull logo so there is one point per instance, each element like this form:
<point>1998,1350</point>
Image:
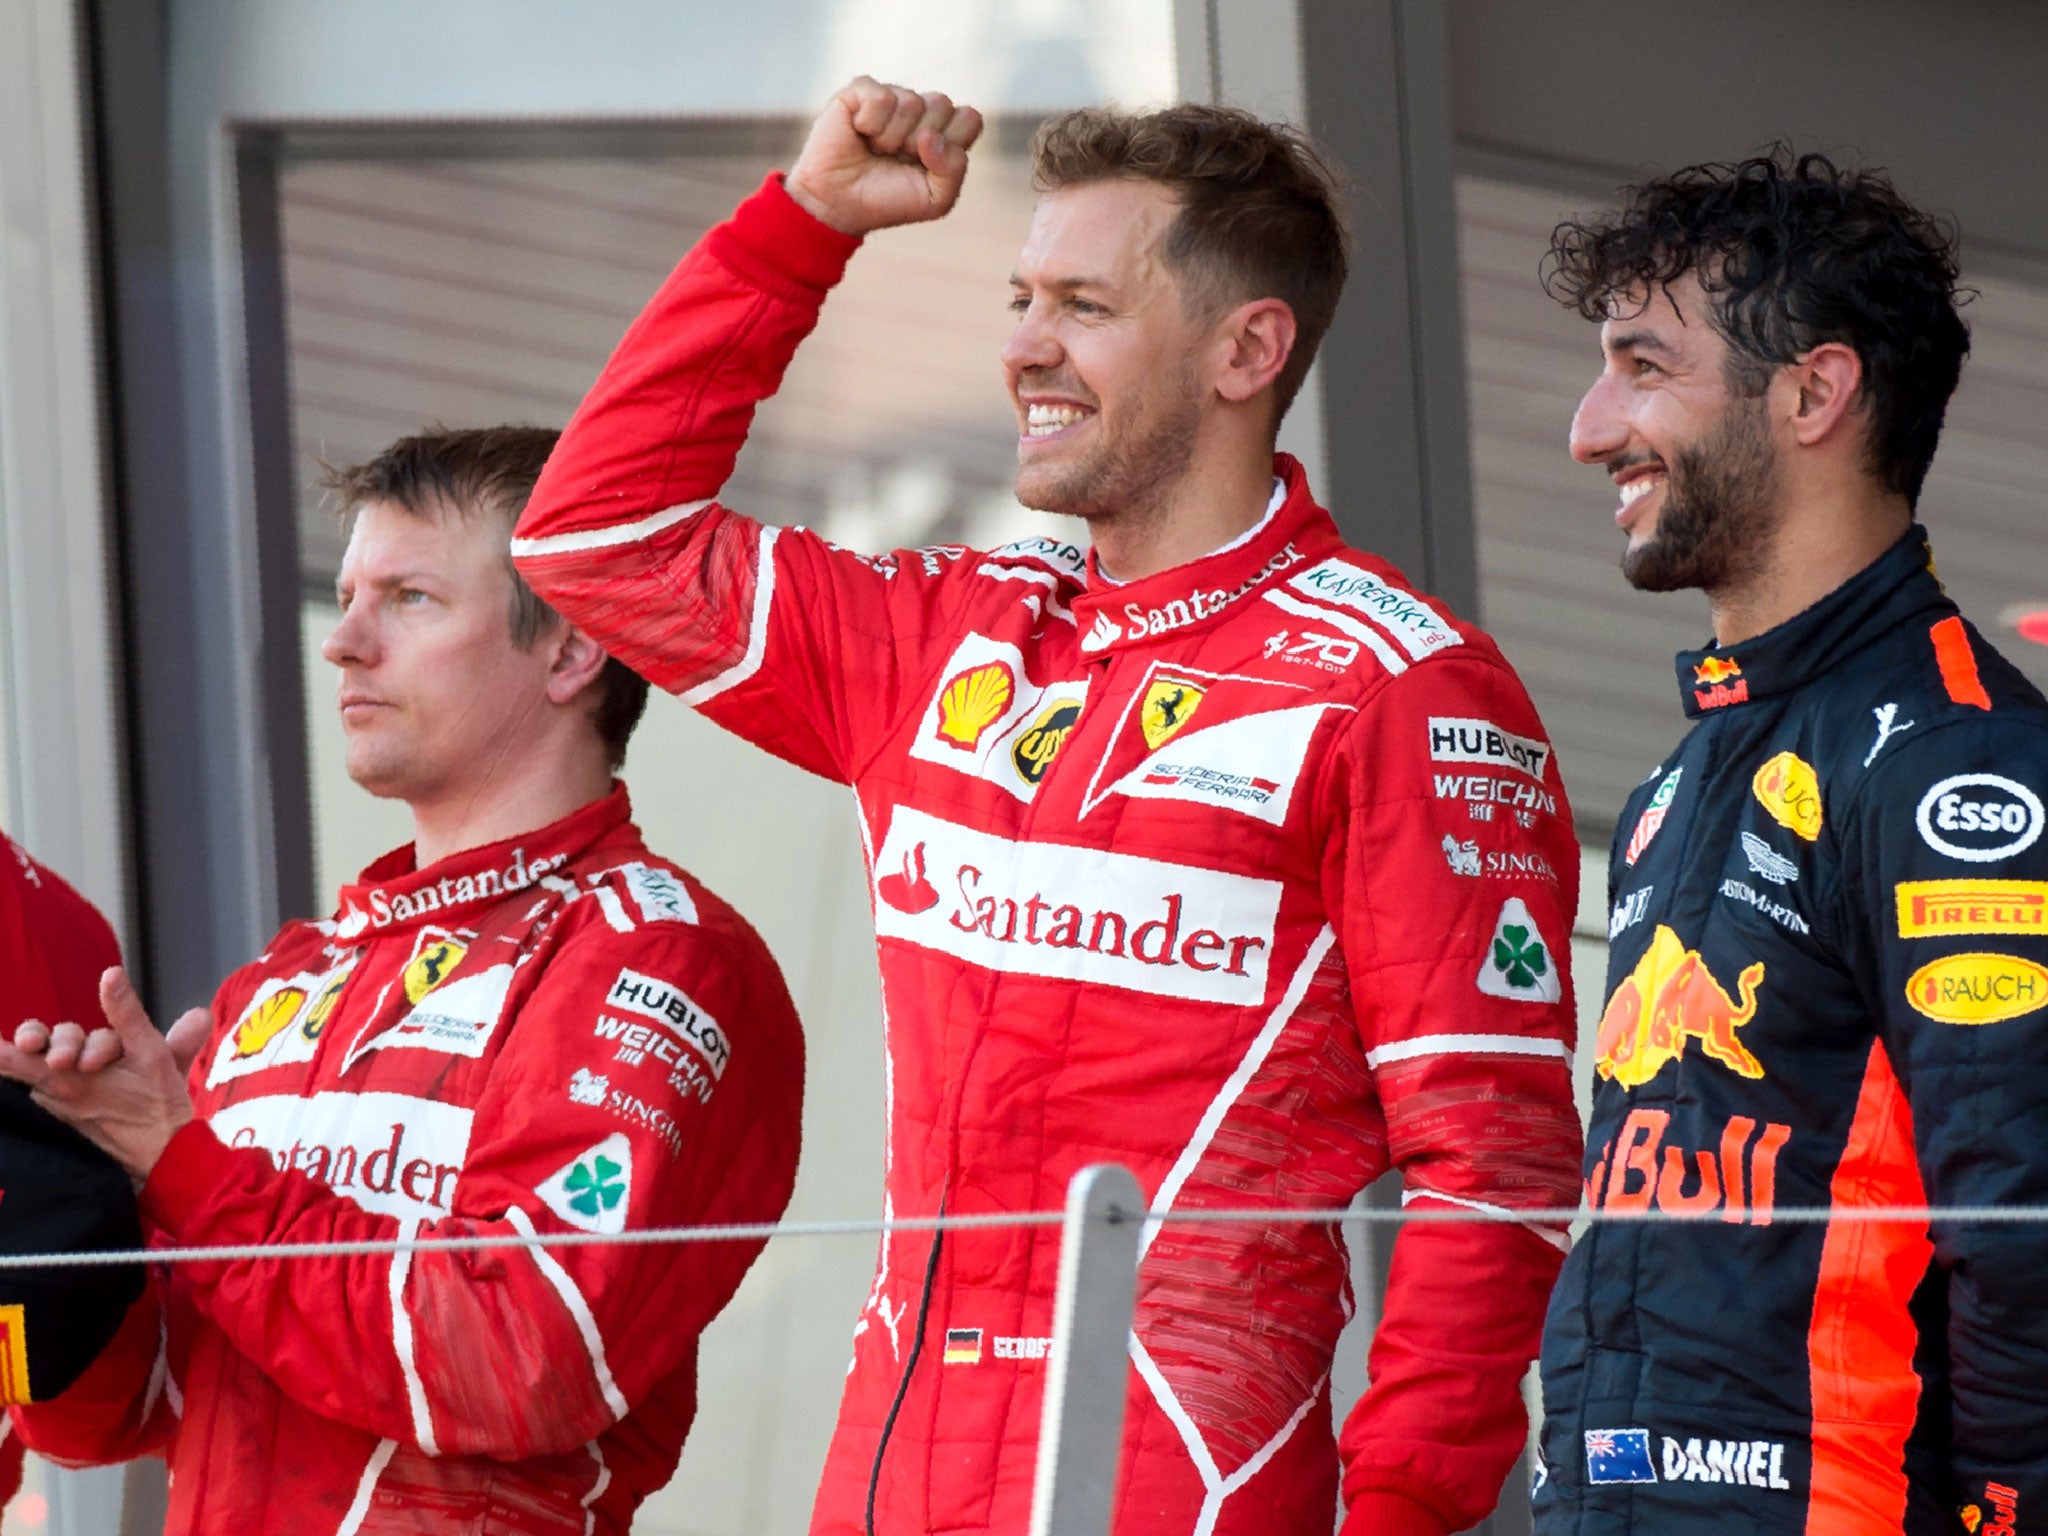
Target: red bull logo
<point>1638,1170</point>
<point>1718,682</point>
<point>1669,998</point>
<point>2005,1512</point>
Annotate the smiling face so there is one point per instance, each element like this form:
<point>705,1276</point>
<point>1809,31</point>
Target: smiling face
<point>1104,366</point>
<point>434,693</point>
<point>1693,456</point>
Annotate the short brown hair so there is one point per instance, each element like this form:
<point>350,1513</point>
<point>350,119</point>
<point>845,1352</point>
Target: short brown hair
<point>1259,207</point>
<point>473,472</point>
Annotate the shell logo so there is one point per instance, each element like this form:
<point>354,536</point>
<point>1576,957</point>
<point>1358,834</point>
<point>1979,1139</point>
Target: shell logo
<point>1978,988</point>
<point>972,702</point>
<point>1789,789</point>
<point>267,1020</point>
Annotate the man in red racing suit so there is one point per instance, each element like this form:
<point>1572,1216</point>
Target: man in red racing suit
<point>549,1032</point>
<point>1253,874</point>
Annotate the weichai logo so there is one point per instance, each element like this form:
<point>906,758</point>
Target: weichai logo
<point>1639,1171</point>
<point>1668,999</point>
<point>1078,914</point>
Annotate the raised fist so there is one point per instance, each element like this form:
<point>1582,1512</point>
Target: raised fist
<point>880,155</point>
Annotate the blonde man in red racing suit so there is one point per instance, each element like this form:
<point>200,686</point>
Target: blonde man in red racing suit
<point>523,1023</point>
<point>1220,852</point>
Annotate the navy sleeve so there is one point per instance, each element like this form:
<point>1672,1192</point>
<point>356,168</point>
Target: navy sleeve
<point>1948,890</point>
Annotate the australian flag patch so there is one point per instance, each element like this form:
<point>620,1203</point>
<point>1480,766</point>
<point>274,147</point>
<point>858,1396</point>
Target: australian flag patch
<point>1619,1456</point>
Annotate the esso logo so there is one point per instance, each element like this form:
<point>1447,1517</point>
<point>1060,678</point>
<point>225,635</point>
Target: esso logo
<point>1979,817</point>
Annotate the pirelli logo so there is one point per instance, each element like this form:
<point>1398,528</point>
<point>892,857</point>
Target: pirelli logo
<point>1934,909</point>
<point>14,1354</point>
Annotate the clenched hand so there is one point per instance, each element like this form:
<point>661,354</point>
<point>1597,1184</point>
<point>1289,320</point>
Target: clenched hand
<point>880,155</point>
<point>122,1088</point>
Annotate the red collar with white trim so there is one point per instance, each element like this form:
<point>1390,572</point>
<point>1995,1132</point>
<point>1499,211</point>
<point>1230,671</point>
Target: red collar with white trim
<point>394,896</point>
<point>1191,597</point>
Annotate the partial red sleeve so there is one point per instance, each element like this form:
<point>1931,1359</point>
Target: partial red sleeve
<point>1456,928</point>
<point>518,1352</point>
<point>778,635</point>
<point>120,1408</point>
<point>53,944</point>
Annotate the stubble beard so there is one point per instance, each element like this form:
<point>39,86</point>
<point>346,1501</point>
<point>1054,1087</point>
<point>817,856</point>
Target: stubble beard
<point>1130,477</point>
<point>1720,509</point>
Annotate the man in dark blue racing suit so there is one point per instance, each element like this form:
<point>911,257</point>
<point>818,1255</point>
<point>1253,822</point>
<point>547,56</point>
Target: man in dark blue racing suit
<point>1828,981</point>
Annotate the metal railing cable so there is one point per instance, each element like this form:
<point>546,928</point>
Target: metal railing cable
<point>1265,1216</point>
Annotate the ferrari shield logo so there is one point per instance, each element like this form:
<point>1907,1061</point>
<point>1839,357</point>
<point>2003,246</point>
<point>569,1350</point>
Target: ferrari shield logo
<point>436,956</point>
<point>1168,705</point>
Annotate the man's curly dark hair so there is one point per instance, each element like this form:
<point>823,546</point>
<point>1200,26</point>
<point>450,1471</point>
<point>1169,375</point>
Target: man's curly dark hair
<point>1792,252</point>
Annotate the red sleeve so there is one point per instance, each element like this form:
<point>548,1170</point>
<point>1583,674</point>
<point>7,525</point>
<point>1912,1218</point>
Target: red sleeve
<point>795,644</point>
<point>1456,928</point>
<point>519,1352</point>
<point>53,946</point>
<point>120,1408</point>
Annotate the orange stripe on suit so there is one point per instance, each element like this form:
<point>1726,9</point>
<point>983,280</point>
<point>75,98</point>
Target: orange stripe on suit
<point>1860,1345</point>
<point>1958,662</point>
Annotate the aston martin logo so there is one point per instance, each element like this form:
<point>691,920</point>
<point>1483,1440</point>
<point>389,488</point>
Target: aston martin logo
<point>1767,862</point>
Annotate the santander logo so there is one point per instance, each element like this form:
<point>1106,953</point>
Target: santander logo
<point>1075,914</point>
<point>907,890</point>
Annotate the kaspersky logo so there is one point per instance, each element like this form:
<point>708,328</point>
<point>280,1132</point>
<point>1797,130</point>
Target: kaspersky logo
<point>1669,998</point>
<point>1711,679</point>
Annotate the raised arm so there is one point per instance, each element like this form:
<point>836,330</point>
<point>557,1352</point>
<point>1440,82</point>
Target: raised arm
<point>770,630</point>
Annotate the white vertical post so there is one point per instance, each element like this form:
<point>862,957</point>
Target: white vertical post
<point>61,788</point>
<point>1081,1433</point>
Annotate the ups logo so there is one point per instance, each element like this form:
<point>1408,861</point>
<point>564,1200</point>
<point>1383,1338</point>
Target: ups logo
<point>1036,746</point>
